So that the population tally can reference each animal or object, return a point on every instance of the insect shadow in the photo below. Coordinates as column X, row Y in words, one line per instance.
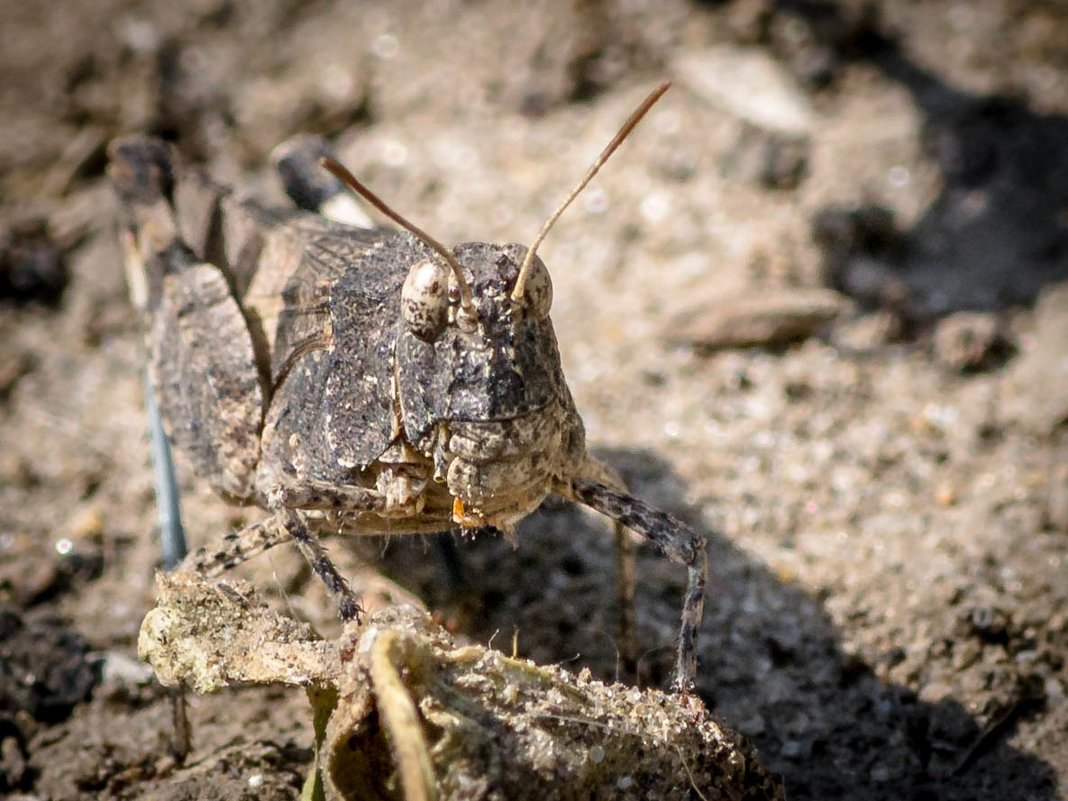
column 771, row 660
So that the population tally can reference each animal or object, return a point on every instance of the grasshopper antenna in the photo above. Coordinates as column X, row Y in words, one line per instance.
column 528, row 262
column 353, row 183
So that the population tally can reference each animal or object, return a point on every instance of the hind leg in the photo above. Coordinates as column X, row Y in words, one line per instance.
column 313, row 188
column 209, row 394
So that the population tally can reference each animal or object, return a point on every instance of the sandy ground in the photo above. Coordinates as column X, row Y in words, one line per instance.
column 886, row 495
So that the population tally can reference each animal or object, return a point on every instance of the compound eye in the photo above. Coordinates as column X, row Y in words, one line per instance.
column 538, row 292
column 425, row 299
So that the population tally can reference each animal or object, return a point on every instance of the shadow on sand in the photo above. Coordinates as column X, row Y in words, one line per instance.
column 771, row 664
column 998, row 231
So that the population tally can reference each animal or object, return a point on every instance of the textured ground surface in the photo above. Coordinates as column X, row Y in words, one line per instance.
column 887, row 499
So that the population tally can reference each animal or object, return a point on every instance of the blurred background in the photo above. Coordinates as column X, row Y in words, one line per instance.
column 816, row 305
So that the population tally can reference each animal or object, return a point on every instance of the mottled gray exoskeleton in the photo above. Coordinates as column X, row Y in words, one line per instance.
column 359, row 379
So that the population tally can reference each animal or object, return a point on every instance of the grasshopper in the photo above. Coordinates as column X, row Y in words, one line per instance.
column 362, row 380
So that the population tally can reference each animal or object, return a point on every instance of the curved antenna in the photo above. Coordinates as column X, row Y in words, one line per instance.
column 350, row 180
column 617, row 140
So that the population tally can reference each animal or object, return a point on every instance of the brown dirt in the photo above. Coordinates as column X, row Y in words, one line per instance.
column 888, row 606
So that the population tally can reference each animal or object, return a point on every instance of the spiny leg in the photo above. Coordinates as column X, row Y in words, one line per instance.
column 326, row 497
column 291, row 495
column 678, row 542
column 287, row 524
column 322, row 496
column 693, row 607
column 348, row 605
column 236, row 548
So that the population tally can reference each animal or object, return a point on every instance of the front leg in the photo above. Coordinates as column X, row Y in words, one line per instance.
column 288, row 498
column 348, row 605
column 678, row 542
column 323, row 496
column 286, row 524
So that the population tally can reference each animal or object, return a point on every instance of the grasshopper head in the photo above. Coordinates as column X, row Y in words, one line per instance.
column 495, row 359
column 477, row 370
column 481, row 389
